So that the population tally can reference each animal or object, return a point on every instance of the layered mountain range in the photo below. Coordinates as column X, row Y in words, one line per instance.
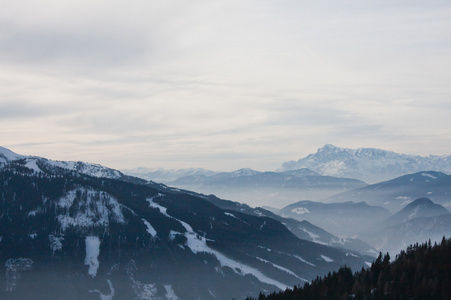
column 82, row 231
column 268, row 188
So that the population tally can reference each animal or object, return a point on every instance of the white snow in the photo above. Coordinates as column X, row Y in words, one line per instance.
column 100, row 209
column 428, row 175
column 283, row 269
column 230, row 215
column 9, row 154
column 300, row 211
column 144, row 291
column 34, row 212
column 31, row 164
column 56, row 243
column 326, row 258
column 341, row 240
column 313, row 236
column 170, row 294
column 103, row 296
column 150, row 229
column 198, row 244
column 92, row 254
column 304, row 261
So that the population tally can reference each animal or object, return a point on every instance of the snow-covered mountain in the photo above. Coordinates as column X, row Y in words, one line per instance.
column 68, row 235
column 367, row 164
column 37, row 164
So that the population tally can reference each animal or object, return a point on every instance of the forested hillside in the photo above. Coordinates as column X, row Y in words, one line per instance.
column 420, row 272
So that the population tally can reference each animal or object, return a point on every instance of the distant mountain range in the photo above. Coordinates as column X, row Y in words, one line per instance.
column 166, row 175
column 367, row 164
column 341, row 218
column 395, row 194
column 81, row 231
column 267, row 188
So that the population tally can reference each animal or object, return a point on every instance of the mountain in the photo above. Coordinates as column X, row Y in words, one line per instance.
column 302, row 229
column 419, row 208
column 397, row 193
column 340, row 218
column 367, row 164
column 68, row 235
column 164, row 175
column 419, row 221
column 35, row 164
column 267, row 188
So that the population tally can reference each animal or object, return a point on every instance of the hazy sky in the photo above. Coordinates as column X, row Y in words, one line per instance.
column 222, row 84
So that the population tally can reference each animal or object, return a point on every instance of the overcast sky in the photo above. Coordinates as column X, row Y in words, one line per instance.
column 222, row 84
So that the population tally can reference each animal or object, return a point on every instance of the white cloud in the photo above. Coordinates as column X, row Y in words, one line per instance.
column 219, row 84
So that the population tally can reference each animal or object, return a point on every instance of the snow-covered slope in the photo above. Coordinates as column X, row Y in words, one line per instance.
column 367, row 164
column 39, row 164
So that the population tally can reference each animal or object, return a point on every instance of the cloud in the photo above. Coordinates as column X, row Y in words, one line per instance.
column 219, row 83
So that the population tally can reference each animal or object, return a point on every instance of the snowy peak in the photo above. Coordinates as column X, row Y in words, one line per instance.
column 35, row 164
column 367, row 164
column 244, row 172
column 8, row 154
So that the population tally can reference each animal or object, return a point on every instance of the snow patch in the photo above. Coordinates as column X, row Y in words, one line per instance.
column 31, row 164
column 326, row 258
column 88, row 208
column 304, row 261
column 170, row 294
column 144, row 291
column 150, row 229
column 103, row 296
column 428, row 175
column 92, row 254
column 300, row 211
column 230, row 215
column 283, row 269
column 56, row 243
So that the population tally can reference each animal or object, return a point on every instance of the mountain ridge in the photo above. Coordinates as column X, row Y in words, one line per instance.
column 367, row 164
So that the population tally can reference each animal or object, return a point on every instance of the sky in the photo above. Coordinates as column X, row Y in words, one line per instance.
column 222, row 85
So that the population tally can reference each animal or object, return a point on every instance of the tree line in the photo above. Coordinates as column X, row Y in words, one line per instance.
column 422, row 271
